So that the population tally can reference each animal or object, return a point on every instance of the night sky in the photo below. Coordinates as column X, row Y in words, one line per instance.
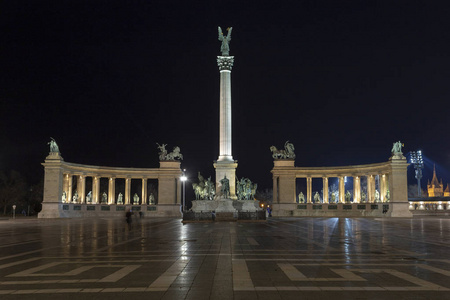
column 341, row 80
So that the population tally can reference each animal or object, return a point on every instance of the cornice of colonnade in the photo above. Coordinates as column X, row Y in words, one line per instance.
column 167, row 169
column 284, row 169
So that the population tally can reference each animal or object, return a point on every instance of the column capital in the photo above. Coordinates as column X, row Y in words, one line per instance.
column 225, row 63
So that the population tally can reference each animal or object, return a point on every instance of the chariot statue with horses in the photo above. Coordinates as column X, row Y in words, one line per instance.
column 286, row 153
column 174, row 155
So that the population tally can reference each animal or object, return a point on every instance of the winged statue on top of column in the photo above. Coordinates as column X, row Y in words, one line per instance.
column 225, row 48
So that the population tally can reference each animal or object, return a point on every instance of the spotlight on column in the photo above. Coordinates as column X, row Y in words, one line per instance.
column 417, row 161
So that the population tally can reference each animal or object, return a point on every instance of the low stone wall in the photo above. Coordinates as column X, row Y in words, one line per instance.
column 213, row 205
column 73, row 210
column 191, row 216
column 332, row 210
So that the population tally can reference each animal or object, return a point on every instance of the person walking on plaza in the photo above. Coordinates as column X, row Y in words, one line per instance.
column 128, row 218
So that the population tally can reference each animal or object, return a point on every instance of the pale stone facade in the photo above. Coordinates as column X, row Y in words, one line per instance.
column 59, row 177
column 392, row 186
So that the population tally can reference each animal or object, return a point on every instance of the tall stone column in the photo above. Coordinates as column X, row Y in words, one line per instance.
column 95, row 189
column 308, row 189
column 144, row 191
column 356, row 189
column 325, row 189
column 127, row 190
column 69, row 188
column 383, row 187
column 225, row 164
column 66, row 185
column 81, row 188
column 111, row 190
column 371, row 188
column 341, row 189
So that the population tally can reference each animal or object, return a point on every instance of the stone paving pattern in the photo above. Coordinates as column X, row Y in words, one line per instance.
column 295, row 258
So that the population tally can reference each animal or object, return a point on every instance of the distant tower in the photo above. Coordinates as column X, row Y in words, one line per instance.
column 225, row 164
column 435, row 188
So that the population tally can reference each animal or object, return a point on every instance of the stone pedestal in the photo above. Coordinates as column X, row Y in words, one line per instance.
column 203, row 205
column 169, row 186
column 228, row 169
column 284, row 182
column 249, row 205
column 53, row 186
column 225, row 205
column 398, row 187
column 225, row 210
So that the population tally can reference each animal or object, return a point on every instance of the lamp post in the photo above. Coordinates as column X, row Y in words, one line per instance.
column 417, row 160
column 14, row 211
column 183, row 178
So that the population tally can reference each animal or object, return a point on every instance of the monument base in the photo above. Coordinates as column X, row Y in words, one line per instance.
column 52, row 210
column 226, row 169
column 226, row 217
column 225, row 205
column 224, row 210
column 400, row 210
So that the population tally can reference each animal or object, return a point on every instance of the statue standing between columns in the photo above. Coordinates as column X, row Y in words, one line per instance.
column 225, row 48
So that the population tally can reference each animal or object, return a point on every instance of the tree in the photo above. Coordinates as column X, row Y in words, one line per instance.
column 12, row 189
column 265, row 195
column 36, row 197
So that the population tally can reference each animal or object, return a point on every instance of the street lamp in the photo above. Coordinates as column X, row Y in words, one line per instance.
column 183, row 178
column 14, row 211
column 417, row 160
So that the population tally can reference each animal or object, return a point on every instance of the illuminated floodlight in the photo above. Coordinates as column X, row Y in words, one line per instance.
column 417, row 161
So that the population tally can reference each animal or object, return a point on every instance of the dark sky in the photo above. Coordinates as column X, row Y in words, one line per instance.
column 341, row 80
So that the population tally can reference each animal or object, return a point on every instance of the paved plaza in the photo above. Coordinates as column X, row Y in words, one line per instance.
column 296, row 258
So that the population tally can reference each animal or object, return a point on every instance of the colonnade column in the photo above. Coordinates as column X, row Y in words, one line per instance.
column 275, row 190
column 95, row 189
column 65, row 186
column 308, row 189
column 144, row 191
column 341, row 189
column 81, row 188
column 370, row 188
column 356, row 189
column 111, row 190
column 383, row 187
column 69, row 188
column 127, row 190
column 325, row 189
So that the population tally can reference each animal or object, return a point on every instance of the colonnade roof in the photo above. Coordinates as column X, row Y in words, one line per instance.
column 121, row 172
column 352, row 170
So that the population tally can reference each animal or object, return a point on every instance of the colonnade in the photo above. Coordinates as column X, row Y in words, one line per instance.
column 356, row 192
column 60, row 178
column 392, row 174
column 96, row 196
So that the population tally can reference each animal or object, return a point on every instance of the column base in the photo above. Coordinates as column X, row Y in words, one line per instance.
column 228, row 169
column 400, row 210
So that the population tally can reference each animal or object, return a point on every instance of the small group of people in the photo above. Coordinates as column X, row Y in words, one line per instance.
column 129, row 217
